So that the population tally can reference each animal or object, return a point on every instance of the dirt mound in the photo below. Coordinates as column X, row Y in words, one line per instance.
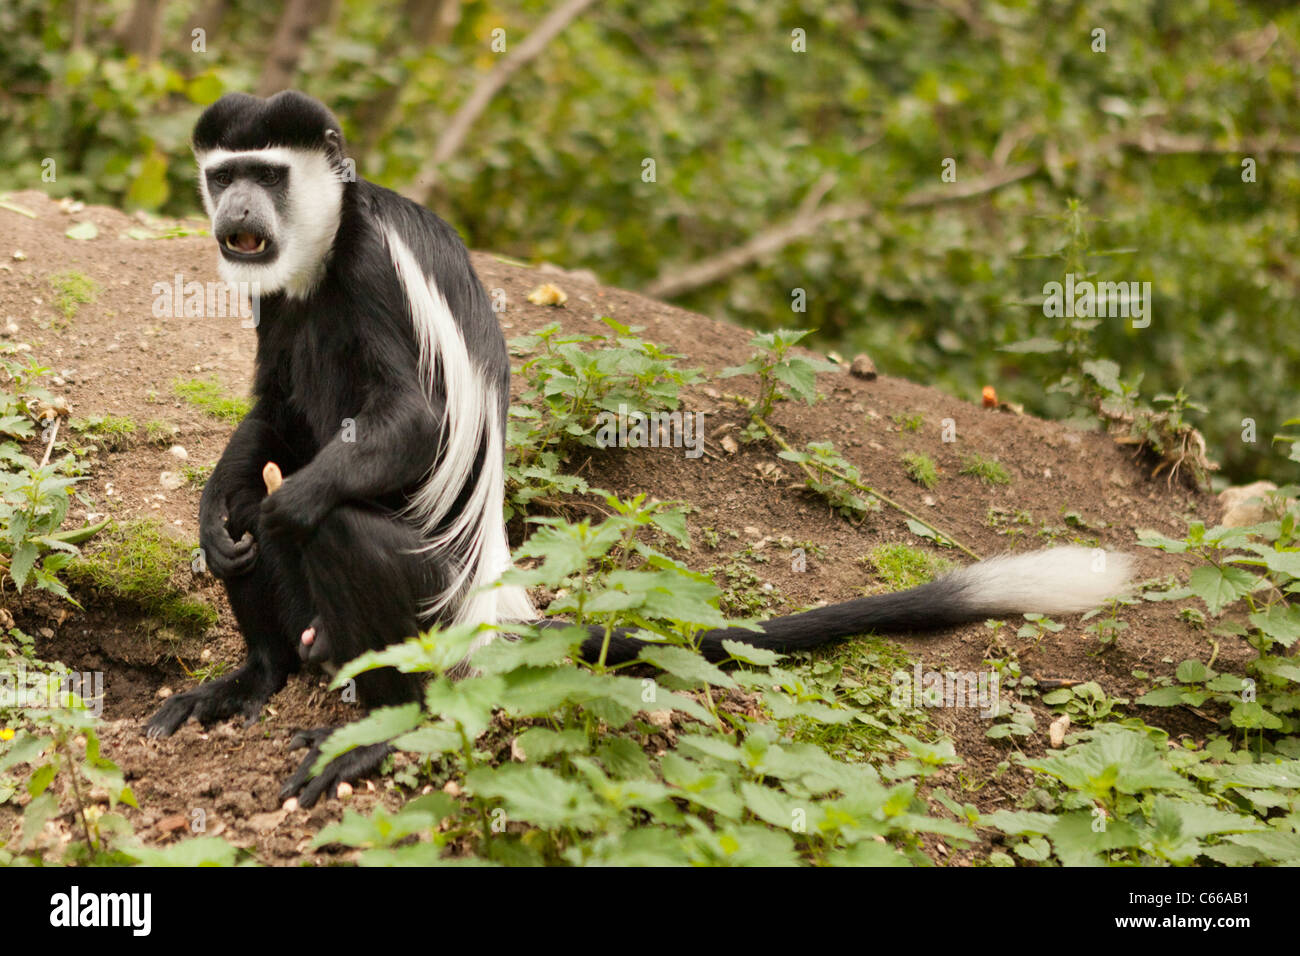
column 115, row 356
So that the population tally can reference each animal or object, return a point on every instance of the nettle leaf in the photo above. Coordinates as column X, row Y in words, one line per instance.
column 1124, row 761
column 378, row 726
column 1078, row 842
column 1104, row 372
column 469, row 702
column 1154, row 539
column 541, row 743
column 538, row 795
column 384, row 828
column 672, row 522
column 1197, row 820
column 1284, row 667
column 1284, row 562
column 785, row 707
column 779, row 809
column 1280, row 622
column 622, row 794
column 551, row 646
column 1274, row 845
column 624, row 759
column 749, row 654
column 200, row 851
column 20, row 565
column 431, row 741
column 712, row 789
column 742, row 845
column 1220, row 586
column 1192, row 672
column 709, row 746
column 685, row 664
column 1285, row 773
column 25, row 748
column 867, row 853
column 434, row 651
column 1018, row 823
column 1162, row 697
column 800, row 376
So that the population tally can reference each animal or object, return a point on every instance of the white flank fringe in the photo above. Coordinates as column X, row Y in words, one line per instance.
column 473, row 541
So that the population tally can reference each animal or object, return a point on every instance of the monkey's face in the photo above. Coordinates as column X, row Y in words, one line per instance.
column 275, row 212
column 250, row 196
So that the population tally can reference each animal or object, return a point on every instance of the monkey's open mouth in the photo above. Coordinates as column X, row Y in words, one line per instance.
column 245, row 245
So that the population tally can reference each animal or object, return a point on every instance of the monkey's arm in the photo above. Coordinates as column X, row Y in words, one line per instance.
column 232, row 493
column 390, row 447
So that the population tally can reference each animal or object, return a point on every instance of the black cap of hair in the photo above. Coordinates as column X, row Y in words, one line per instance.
column 239, row 121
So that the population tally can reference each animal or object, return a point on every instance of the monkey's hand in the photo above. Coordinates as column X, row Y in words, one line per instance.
column 295, row 509
column 225, row 557
column 356, row 763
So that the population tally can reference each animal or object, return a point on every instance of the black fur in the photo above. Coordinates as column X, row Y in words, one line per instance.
column 238, row 121
column 332, row 548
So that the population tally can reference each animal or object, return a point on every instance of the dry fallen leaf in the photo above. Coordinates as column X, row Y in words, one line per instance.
column 548, row 293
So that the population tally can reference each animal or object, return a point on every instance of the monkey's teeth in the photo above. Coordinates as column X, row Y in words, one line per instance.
column 234, row 246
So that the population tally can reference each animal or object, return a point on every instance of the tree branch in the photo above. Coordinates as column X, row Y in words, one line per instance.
column 454, row 135
column 807, row 219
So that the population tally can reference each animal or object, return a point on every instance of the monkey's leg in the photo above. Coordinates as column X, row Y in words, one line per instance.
column 272, row 606
column 366, row 576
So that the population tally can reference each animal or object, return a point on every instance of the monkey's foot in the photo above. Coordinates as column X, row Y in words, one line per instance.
column 356, row 763
column 244, row 692
column 314, row 646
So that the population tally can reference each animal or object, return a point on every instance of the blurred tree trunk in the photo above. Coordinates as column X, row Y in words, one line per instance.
column 140, row 32
column 299, row 19
column 429, row 23
column 78, row 25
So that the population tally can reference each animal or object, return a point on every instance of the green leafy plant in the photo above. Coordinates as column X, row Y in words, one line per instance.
column 988, row 470
column 1256, row 569
column 142, row 564
column 71, row 290
column 834, row 478
column 208, row 396
column 34, row 497
column 725, row 788
column 570, row 380
column 782, row 375
column 921, row 469
column 111, row 432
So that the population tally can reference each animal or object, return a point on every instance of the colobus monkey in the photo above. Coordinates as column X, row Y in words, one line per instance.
column 381, row 386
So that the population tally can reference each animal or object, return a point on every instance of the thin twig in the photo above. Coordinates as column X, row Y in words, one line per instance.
column 45, row 459
column 453, row 136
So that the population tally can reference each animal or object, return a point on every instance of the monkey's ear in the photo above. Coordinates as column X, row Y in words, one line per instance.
column 334, row 143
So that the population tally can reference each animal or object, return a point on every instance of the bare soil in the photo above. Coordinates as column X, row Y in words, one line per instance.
column 115, row 357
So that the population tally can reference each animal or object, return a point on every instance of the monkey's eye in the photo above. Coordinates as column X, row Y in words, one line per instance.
column 270, row 177
column 222, row 178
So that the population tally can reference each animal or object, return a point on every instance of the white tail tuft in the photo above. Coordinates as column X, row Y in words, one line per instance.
column 1066, row 580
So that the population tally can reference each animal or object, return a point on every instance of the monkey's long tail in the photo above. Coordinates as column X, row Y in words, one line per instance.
column 1065, row 580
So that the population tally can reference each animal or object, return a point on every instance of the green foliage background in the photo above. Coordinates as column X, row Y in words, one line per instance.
column 1150, row 135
